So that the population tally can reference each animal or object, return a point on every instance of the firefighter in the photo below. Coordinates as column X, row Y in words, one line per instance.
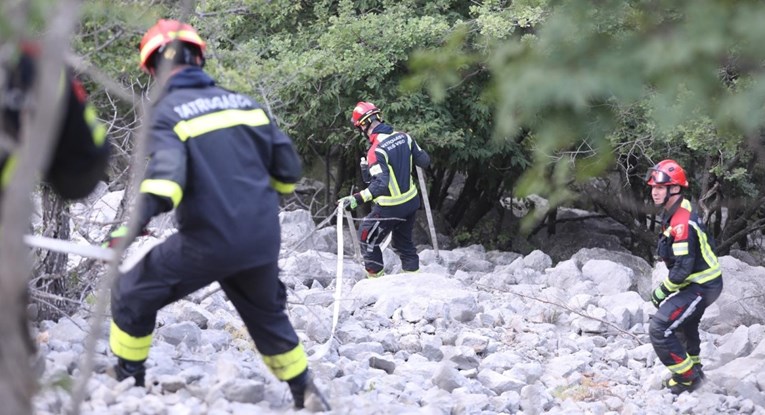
column 77, row 163
column 387, row 170
column 81, row 154
column 219, row 160
column 694, row 281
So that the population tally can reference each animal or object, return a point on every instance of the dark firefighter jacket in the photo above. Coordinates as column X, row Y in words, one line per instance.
column 686, row 249
column 81, row 154
column 218, row 159
column 391, row 159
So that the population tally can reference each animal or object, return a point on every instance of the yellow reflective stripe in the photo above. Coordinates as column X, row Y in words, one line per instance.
column 680, row 248
column 286, row 366
column 672, row 286
column 396, row 197
column 393, row 201
column 393, row 188
column 128, row 347
column 704, row 276
column 8, row 169
column 282, row 187
column 98, row 129
column 219, row 120
column 682, row 367
column 158, row 40
column 163, row 187
column 710, row 258
column 706, row 250
column 695, row 359
column 366, row 195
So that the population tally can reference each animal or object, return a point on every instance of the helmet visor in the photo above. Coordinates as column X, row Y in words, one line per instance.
column 654, row 177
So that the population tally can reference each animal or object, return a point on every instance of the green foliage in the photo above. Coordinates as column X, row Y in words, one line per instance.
column 570, row 80
column 531, row 96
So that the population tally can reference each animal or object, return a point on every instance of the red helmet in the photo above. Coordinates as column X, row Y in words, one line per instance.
column 363, row 113
column 164, row 32
column 666, row 173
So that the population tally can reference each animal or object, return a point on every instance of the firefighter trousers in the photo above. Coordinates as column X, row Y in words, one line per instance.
column 172, row 270
column 375, row 228
column 674, row 329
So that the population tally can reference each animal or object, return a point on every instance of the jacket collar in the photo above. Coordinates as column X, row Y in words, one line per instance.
column 667, row 216
column 189, row 77
column 381, row 128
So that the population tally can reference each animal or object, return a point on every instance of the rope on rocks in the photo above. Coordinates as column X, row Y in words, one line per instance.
column 323, row 349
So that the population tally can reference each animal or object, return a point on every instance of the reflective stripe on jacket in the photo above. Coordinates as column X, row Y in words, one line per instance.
column 684, row 243
column 219, row 160
column 391, row 159
column 81, row 152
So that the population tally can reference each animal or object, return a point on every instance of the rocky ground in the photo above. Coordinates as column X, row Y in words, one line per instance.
column 474, row 332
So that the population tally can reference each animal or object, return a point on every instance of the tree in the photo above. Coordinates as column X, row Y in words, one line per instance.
column 607, row 85
column 16, row 380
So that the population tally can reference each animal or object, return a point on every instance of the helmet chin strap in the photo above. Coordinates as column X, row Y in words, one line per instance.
column 366, row 131
column 667, row 196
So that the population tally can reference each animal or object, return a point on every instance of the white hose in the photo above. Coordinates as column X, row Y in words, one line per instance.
column 323, row 349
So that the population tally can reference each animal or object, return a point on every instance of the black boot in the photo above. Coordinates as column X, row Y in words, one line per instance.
column 126, row 368
column 306, row 395
column 697, row 367
column 685, row 382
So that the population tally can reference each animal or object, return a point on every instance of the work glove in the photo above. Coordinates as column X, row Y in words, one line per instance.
column 348, row 202
column 116, row 237
column 119, row 234
column 659, row 295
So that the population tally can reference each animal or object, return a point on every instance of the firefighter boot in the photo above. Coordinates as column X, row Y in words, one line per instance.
column 685, row 382
column 372, row 274
column 126, row 368
column 306, row 394
column 698, row 368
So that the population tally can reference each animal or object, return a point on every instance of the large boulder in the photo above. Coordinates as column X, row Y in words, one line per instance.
column 582, row 230
column 641, row 269
column 741, row 300
column 426, row 296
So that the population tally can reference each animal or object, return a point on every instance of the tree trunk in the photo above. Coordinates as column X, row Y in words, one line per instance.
column 552, row 220
column 436, row 178
column 327, row 177
column 469, row 193
column 482, row 205
column 17, row 383
column 341, row 178
column 443, row 190
column 643, row 241
column 55, row 225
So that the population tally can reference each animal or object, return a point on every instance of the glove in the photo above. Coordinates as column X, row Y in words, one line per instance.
column 348, row 202
column 119, row 234
column 659, row 294
column 116, row 237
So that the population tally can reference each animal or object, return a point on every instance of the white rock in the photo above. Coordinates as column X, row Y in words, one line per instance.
column 610, row 277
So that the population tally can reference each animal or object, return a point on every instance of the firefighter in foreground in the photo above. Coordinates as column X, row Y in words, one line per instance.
column 77, row 163
column 387, row 170
column 220, row 162
column 694, row 281
column 81, row 154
